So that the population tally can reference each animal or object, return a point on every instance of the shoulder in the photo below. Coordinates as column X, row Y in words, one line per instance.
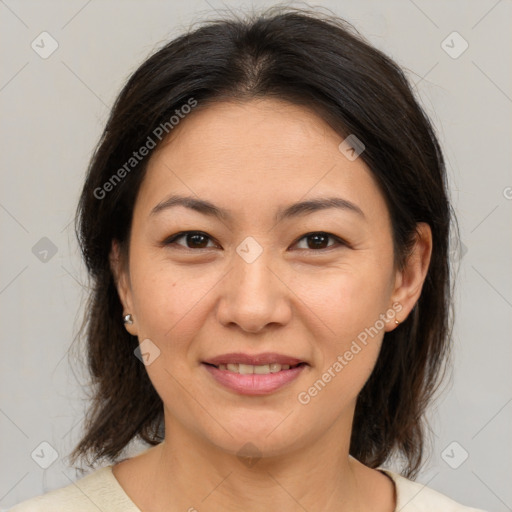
column 97, row 491
column 415, row 497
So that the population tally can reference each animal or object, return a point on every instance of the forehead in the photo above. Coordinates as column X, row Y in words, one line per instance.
column 254, row 154
column 269, row 131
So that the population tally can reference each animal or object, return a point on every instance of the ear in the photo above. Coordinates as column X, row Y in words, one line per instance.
column 119, row 268
column 409, row 280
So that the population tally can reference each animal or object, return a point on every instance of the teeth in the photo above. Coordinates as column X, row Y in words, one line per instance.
column 274, row 367
column 247, row 369
column 262, row 369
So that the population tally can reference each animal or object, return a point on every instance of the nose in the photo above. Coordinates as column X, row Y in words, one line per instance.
column 254, row 296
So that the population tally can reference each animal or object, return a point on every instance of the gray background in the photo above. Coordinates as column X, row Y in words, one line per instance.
column 52, row 113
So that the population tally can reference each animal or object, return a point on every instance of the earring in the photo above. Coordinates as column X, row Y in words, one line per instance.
column 397, row 321
column 128, row 319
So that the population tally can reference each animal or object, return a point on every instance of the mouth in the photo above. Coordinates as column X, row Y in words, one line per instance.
column 260, row 369
column 254, row 374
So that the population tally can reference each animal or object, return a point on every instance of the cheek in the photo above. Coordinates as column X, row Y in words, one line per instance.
column 170, row 307
column 346, row 300
column 171, row 303
column 349, row 304
column 348, row 352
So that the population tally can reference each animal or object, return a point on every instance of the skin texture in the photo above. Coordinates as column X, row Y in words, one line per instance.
column 253, row 158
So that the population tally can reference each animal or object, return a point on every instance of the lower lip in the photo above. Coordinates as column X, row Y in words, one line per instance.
column 254, row 384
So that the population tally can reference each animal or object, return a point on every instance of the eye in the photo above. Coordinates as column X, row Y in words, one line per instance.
column 318, row 240
column 315, row 241
column 193, row 240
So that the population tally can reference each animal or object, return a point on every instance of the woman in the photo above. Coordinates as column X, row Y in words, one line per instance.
column 266, row 225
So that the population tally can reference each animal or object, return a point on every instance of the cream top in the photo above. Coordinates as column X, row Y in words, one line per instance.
column 100, row 490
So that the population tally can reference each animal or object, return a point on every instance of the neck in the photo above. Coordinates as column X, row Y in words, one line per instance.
column 191, row 474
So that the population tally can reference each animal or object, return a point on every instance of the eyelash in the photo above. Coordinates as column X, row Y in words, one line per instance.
column 172, row 240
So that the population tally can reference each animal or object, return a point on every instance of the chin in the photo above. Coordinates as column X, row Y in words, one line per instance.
column 258, row 435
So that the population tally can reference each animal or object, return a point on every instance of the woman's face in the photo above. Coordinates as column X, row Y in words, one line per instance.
column 251, row 286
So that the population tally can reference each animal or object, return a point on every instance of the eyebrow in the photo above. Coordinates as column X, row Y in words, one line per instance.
column 293, row 210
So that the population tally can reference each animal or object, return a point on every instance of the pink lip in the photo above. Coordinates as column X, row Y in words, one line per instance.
column 254, row 384
column 256, row 359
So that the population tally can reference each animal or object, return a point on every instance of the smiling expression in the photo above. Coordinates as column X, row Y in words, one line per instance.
column 290, row 258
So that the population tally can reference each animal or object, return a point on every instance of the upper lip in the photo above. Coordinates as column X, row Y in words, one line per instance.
column 256, row 359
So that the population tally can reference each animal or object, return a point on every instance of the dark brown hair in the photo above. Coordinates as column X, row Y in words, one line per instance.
column 320, row 62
